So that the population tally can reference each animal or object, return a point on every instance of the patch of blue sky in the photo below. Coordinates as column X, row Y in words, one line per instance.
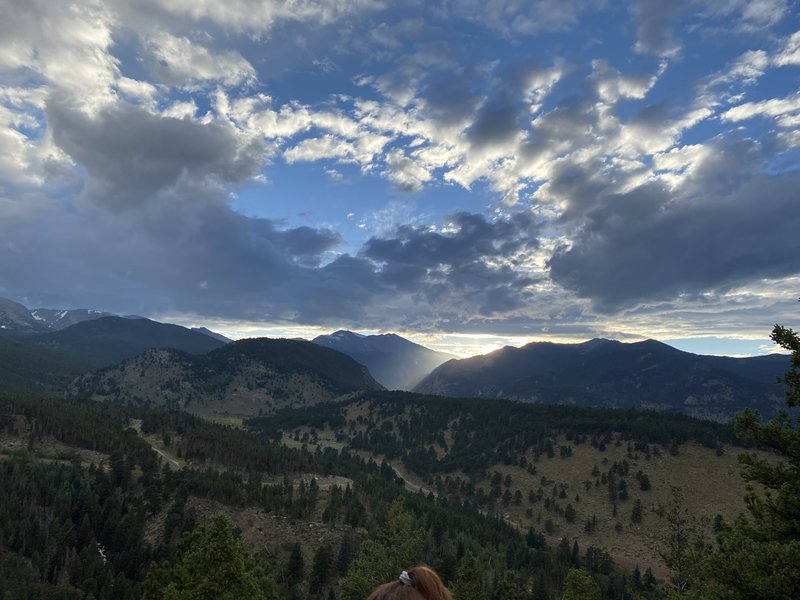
column 724, row 346
column 353, row 204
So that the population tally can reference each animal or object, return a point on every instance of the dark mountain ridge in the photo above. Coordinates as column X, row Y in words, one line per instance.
column 245, row 377
column 647, row 374
column 395, row 362
column 109, row 340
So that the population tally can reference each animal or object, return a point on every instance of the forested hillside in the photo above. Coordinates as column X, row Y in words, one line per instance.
column 612, row 374
column 598, row 477
column 89, row 510
column 27, row 369
column 506, row 500
column 242, row 378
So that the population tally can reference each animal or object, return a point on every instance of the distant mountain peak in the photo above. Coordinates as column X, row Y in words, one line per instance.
column 16, row 318
column 394, row 361
column 213, row 334
column 345, row 333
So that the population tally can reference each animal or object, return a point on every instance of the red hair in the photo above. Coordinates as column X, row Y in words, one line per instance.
column 426, row 585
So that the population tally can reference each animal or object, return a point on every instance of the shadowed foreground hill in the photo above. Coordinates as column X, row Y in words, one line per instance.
column 109, row 340
column 26, row 369
column 607, row 373
column 241, row 378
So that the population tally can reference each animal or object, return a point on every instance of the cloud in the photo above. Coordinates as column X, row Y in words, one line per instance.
column 127, row 128
column 790, row 53
column 470, row 262
column 725, row 227
column 613, row 85
column 495, row 125
column 757, row 14
column 131, row 155
column 256, row 15
column 307, row 244
column 405, row 173
column 775, row 107
column 654, row 21
column 66, row 45
column 182, row 63
column 522, row 17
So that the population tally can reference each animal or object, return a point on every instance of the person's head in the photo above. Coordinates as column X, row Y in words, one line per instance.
column 418, row 583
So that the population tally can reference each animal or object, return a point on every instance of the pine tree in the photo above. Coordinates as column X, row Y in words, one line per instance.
column 468, row 583
column 322, row 567
column 759, row 556
column 636, row 512
column 379, row 561
column 684, row 546
column 570, row 514
column 510, row 588
column 347, row 552
column 213, row 566
column 636, row 578
column 295, row 569
column 579, row 585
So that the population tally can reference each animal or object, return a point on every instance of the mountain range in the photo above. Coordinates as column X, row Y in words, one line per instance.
column 148, row 358
column 109, row 340
column 16, row 318
column 395, row 362
column 648, row 374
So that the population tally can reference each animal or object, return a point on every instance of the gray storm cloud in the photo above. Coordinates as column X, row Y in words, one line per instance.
column 646, row 245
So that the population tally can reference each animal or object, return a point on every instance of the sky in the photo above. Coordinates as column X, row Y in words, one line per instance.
column 468, row 174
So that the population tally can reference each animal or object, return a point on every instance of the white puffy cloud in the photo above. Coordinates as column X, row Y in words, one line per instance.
column 66, row 45
column 406, row 173
column 775, row 107
column 261, row 15
column 613, row 85
column 790, row 53
column 183, row 63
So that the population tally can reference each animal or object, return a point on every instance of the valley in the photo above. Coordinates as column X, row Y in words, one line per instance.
column 313, row 462
column 563, row 487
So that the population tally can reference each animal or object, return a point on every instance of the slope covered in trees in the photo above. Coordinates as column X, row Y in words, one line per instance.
column 599, row 477
column 241, row 378
column 88, row 509
column 606, row 373
column 27, row 369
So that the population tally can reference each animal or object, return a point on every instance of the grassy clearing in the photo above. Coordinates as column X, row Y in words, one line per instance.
column 711, row 485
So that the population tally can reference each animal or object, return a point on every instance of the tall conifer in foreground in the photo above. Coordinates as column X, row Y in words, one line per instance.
column 380, row 561
column 759, row 556
column 213, row 566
